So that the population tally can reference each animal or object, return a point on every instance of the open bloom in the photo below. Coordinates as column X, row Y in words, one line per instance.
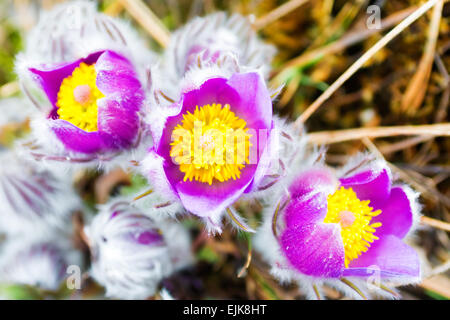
column 132, row 253
column 212, row 122
column 215, row 147
column 93, row 90
column 95, row 102
column 349, row 225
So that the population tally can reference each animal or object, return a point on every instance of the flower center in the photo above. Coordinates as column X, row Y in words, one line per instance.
column 77, row 98
column 354, row 216
column 211, row 143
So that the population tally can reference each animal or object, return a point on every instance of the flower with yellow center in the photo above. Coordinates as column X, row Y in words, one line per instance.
column 77, row 98
column 211, row 143
column 354, row 216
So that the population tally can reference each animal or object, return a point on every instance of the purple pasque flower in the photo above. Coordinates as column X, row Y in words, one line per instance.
column 194, row 162
column 131, row 252
column 95, row 102
column 346, row 225
column 89, row 68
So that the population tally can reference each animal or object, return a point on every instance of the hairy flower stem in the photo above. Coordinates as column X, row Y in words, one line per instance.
column 354, row 287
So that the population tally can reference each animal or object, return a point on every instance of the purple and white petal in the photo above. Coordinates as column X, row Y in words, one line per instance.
column 390, row 257
column 373, row 183
column 311, row 208
column 396, row 215
column 118, row 123
column 315, row 180
column 314, row 249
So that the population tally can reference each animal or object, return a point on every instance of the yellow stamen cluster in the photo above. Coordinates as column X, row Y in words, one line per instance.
column 359, row 233
column 81, row 111
column 211, row 143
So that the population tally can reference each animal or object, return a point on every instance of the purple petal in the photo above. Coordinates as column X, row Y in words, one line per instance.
column 215, row 90
column 373, row 184
column 119, row 120
column 76, row 139
column 264, row 156
column 396, row 215
column 255, row 105
column 307, row 209
column 149, row 238
column 314, row 180
column 116, row 76
column 315, row 249
column 390, row 257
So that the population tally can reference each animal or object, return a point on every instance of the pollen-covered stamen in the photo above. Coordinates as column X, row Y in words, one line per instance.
column 354, row 216
column 346, row 218
column 77, row 98
column 82, row 94
column 211, row 143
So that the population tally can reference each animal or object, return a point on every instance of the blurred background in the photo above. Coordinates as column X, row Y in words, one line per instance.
column 405, row 83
